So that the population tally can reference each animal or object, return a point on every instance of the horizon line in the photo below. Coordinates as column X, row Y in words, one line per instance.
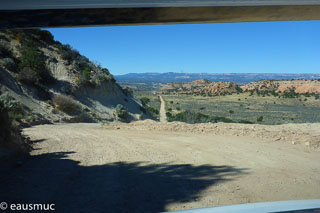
column 216, row 73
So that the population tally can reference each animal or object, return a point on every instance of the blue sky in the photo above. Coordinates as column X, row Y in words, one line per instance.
column 265, row 47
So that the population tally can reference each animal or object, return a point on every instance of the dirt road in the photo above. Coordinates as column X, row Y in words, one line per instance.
column 163, row 116
column 87, row 167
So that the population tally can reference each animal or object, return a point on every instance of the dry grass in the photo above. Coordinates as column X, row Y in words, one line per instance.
column 65, row 104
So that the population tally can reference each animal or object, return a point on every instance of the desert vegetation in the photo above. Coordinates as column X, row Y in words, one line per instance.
column 244, row 108
column 149, row 100
column 195, row 117
column 122, row 113
column 33, row 68
column 10, row 116
column 65, row 104
column 145, row 101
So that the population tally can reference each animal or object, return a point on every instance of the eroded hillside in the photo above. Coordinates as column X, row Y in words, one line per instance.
column 207, row 88
column 52, row 82
column 298, row 86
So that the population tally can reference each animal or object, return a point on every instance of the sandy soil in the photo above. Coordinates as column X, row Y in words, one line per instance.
column 135, row 168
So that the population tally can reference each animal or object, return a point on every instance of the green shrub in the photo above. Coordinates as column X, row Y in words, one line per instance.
column 65, row 104
column 290, row 94
column 122, row 112
column 32, row 59
column 12, row 107
column 152, row 111
column 147, row 108
column 307, row 95
column 10, row 103
column 144, row 101
column 195, row 117
column 231, row 111
column 90, row 76
column 260, row 119
column 84, row 77
column 86, row 73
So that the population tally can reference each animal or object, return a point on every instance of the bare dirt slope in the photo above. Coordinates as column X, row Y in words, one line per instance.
column 135, row 168
column 96, row 96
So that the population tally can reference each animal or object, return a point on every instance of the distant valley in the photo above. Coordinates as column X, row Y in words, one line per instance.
column 238, row 78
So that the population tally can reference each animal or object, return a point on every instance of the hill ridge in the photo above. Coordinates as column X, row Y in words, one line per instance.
column 44, row 76
column 206, row 87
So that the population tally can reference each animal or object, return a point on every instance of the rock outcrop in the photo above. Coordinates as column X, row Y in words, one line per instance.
column 185, row 86
column 201, row 87
column 208, row 88
column 299, row 86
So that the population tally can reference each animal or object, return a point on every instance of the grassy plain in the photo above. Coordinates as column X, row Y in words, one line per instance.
column 237, row 107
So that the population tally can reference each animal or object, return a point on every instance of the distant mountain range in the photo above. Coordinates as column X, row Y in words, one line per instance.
column 239, row 78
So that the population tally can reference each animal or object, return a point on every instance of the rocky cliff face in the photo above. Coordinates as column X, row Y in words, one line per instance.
column 185, row 86
column 208, row 88
column 40, row 73
column 299, row 86
column 203, row 87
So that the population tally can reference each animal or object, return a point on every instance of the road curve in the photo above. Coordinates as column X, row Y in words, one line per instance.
column 163, row 116
column 90, row 168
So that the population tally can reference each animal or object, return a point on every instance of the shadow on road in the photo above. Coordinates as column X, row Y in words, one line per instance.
column 114, row 187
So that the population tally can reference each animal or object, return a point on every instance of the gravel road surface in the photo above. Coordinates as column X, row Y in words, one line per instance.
column 89, row 167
